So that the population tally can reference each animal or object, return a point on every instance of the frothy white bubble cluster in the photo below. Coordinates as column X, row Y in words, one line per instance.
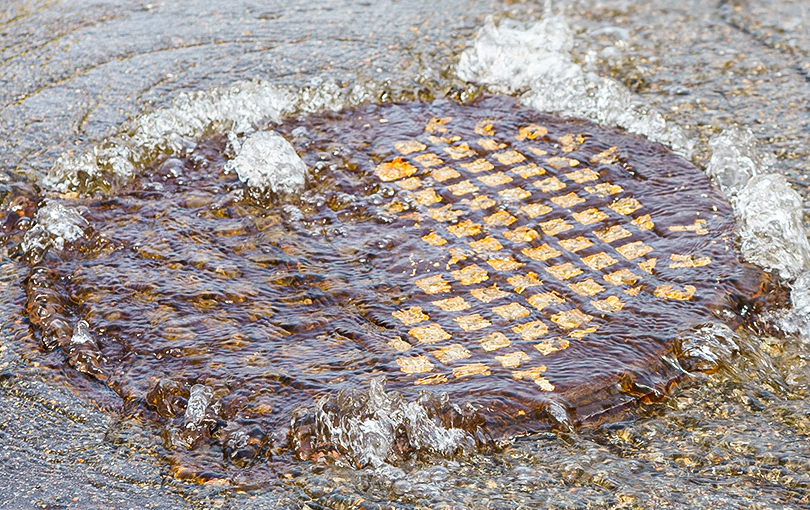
column 173, row 130
column 55, row 226
column 536, row 61
column 265, row 160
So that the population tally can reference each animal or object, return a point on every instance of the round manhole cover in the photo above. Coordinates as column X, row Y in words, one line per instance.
column 505, row 257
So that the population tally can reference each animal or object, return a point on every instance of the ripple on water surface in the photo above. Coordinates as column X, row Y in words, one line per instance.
column 538, row 271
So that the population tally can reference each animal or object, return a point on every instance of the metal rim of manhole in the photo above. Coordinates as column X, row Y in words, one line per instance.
column 509, row 258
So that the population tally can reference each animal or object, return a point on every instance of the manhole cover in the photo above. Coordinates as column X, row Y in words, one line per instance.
column 484, row 250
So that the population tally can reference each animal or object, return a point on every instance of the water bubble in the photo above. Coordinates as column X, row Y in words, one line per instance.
column 769, row 220
column 708, row 347
column 537, row 60
column 267, row 161
column 734, row 160
column 55, row 227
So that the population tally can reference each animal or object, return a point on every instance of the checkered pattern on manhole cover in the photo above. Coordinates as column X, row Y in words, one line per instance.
column 484, row 250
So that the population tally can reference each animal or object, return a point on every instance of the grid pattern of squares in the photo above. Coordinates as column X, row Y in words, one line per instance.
column 527, row 211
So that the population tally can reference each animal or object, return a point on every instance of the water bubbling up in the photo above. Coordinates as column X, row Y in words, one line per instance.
column 519, row 236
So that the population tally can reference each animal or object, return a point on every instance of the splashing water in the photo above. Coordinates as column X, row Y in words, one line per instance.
column 536, row 60
column 267, row 161
column 272, row 306
column 552, row 82
column 374, row 427
column 708, row 347
column 769, row 220
column 768, row 211
column 172, row 130
column 55, row 226
column 735, row 160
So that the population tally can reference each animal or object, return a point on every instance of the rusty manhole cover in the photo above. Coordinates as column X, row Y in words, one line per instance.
column 484, row 250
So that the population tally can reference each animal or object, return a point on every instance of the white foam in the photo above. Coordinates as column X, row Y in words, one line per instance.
column 510, row 58
column 173, row 130
column 237, row 108
column 769, row 221
column 368, row 425
column 82, row 335
column 328, row 94
column 67, row 172
column 54, row 226
column 321, row 94
column 536, row 60
column 267, row 161
column 199, row 400
column 796, row 319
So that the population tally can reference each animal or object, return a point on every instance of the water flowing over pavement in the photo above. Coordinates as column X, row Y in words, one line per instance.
column 95, row 92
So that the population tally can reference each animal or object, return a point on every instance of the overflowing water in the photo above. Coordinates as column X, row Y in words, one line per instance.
column 769, row 220
column 536, row 61
column 728, row 431
column 268, row 162
column 171, row 130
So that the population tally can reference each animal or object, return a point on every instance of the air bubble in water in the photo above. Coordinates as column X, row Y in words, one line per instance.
column 734, row 160
column 267, row 161
column 769, row 220
column 537, row 59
